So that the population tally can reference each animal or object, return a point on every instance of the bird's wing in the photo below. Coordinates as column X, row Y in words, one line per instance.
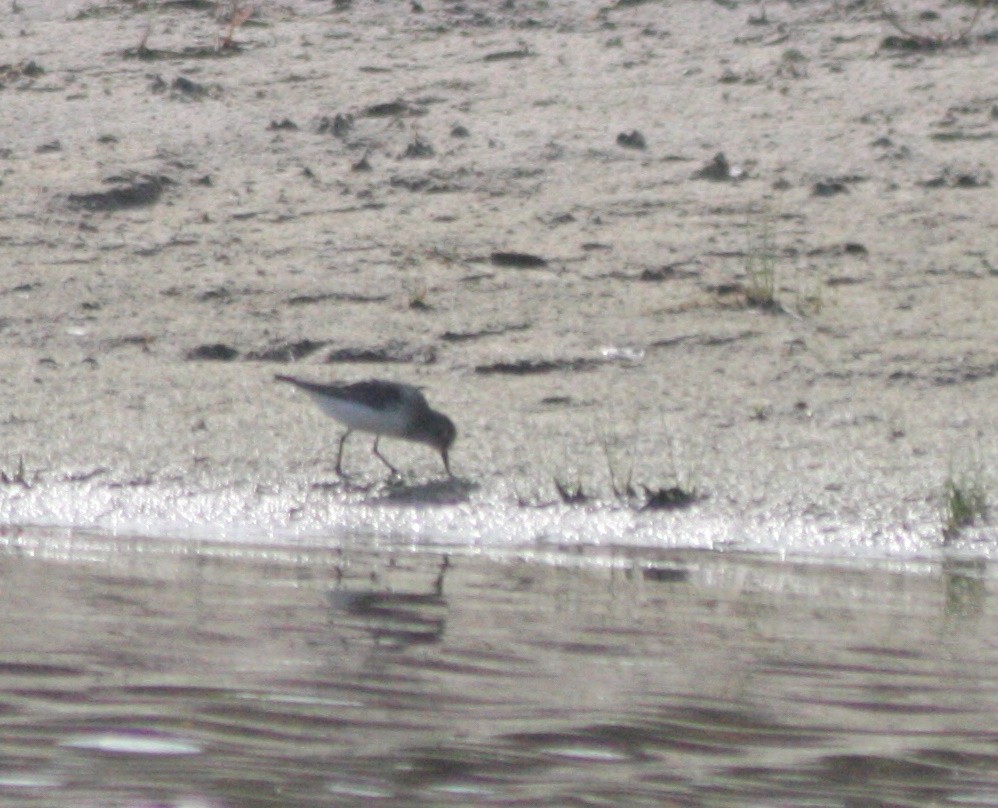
column 375, row 393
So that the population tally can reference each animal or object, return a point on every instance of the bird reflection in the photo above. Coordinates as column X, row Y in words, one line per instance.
column 396, row 619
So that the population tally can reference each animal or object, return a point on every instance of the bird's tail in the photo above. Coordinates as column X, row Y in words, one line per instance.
column 302, row 384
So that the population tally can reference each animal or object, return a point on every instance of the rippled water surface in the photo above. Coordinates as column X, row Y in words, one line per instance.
column 140, row 672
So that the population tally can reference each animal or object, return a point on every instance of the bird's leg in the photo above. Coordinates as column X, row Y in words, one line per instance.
column 339, row 454
column 381, row 457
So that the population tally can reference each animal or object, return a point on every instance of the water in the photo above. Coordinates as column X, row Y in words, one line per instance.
column 141, row 672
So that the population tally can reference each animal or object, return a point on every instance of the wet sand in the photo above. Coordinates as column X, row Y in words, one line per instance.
column 518, row 208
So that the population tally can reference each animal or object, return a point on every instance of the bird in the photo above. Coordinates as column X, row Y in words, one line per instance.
column 382, row 408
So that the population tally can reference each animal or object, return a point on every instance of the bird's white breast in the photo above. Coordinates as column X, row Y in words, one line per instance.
column 390, row 421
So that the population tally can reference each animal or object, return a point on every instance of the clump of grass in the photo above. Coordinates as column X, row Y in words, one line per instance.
column 965, row 502
column 418, row 293
column 571, row 493
column 793, row 64
column 622, row 485
column 16, row 477
column 931, row 41
column 760, row 268
column 670, row 499
column 810, row 302
column 682, row 493
column 761, row 275
column 232, row 14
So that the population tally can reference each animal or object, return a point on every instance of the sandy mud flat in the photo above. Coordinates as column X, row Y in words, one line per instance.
column 747, row 250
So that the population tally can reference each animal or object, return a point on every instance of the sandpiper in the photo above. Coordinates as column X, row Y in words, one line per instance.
column 381, row 408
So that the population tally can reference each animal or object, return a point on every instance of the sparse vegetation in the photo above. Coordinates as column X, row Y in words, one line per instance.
column 681, row 493
column 793, row 64
column 622, row 486
column 141, row 50
column 571, row 493
column 811, row 301
column 232, row 13
column 761, row 276
column 418, row 293
column 965, row 501
column 760, row 268
column 929, row 41
column 678, row 492
column 671, row 498
column 17, row 477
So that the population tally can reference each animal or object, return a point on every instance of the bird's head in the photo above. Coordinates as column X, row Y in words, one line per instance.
column 440, row 432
